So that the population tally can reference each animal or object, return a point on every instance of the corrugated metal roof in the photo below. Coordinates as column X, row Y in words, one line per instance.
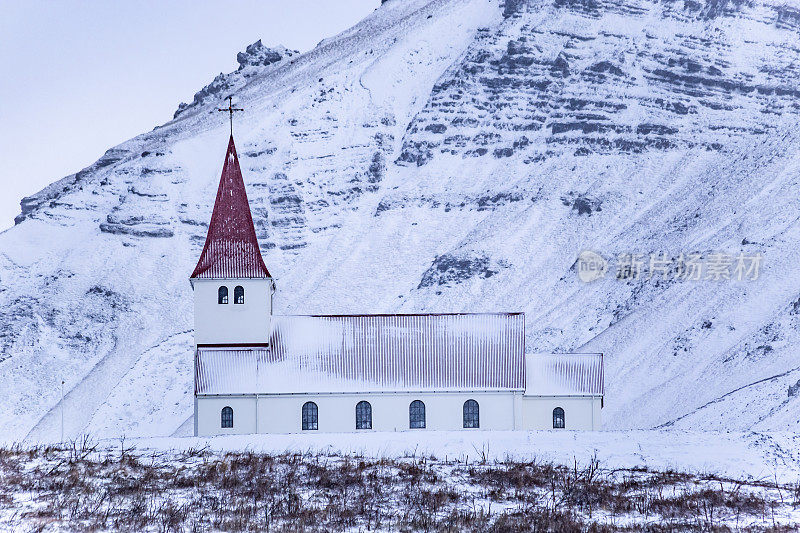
column 231, row 247
column 228, row 371
column 564, row 374
column 359, row 353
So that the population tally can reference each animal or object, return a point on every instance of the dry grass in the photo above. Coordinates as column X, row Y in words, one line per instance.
column 82, row 487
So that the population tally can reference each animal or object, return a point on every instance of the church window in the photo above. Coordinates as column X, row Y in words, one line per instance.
column 416, row 415
column 227, row 417
column 310, row 416
column 238, row 295
column 363, row 415
column 222, row 295
column 471, row 414
column 558, row 418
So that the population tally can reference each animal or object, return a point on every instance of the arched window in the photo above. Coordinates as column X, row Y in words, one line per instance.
column 222, row 295
column 227, row 417
column 310, row 416
column 363, row 415
column 472, row 418
column 558, row 418
column 238, row 295
column 416, row 415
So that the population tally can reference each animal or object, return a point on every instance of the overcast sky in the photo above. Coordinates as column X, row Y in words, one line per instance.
column 77, row 77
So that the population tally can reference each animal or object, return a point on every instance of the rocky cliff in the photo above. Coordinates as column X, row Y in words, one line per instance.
column 449, row 155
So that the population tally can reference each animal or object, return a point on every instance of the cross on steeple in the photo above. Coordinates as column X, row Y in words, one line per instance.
column 230, row 109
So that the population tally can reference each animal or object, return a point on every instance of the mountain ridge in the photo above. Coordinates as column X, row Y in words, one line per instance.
column 448, row 156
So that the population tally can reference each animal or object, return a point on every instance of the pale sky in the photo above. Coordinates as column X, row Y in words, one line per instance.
column 78, row 77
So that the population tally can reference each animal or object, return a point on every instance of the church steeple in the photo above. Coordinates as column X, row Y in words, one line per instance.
column 232, row 287
column 231, row 248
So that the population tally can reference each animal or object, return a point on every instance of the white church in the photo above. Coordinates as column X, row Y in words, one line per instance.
column 255, row 372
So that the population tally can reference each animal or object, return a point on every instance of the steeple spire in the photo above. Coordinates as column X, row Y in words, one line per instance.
column 230, row 109
column 231, row 248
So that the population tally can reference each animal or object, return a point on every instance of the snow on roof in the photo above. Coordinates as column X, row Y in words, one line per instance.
column 360, row 353
column 231, row 248
column 564, row 374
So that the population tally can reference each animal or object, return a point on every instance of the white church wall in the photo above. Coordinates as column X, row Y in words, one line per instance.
column 232, row 323
column 580, row 412
column 390, row 411
column 209, row 415
column 282, row 413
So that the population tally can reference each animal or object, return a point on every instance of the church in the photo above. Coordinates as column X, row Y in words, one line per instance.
column 256, row 372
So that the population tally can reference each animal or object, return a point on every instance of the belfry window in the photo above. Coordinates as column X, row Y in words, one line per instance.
column 310, row 416
column 363, row 415
column 222, row 295
column 227, row 417
column 471, row 414
column 558, row 418
column 416, row 415
column 238, row 295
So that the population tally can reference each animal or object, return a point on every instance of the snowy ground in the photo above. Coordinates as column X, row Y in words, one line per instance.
column 736, row 454
column 427, row 481
column 752, row 455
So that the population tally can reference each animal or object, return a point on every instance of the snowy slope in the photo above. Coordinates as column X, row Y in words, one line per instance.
column 766, row 456
column 448, row 155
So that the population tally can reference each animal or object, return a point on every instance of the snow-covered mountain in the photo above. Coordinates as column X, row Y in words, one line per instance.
column 447, row 155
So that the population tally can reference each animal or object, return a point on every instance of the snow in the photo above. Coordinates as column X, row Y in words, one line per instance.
column 693, row 480
column 554, row 374
column 751, row 455
column 126, row 411
column 372, row 353
column 356, row 199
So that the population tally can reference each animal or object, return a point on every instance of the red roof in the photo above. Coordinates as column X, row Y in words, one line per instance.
column 562, row 374
column 231, row 248
column 361, row 353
